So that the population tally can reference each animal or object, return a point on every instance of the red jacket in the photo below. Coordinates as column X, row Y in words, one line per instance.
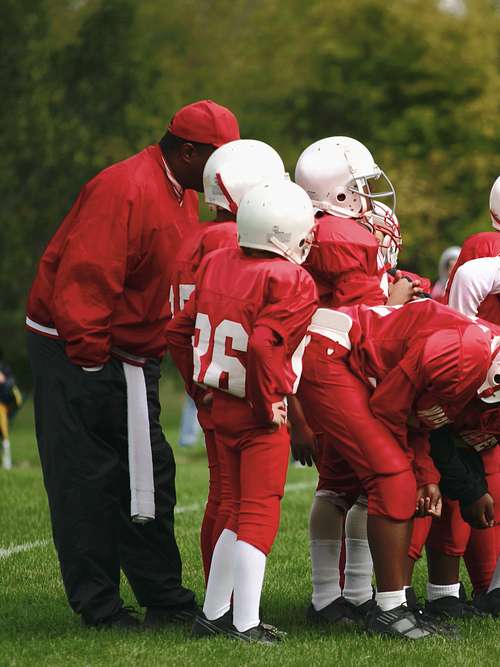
column 103, row 279
column 343, row 263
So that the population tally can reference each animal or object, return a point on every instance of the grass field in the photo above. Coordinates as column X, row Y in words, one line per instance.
column 38, row 628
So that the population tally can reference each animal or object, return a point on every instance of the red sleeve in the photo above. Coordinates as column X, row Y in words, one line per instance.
column 393, row 398
column 290, row 304
column 91, row 273
column 179, row 335
column 276, row 338
column 265, row 363
column 423, row 465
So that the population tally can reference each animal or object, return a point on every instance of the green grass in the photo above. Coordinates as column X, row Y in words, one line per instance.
column 38, row 628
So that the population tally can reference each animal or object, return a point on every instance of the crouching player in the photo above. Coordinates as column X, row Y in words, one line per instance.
column 363, row 371
column 248, row 318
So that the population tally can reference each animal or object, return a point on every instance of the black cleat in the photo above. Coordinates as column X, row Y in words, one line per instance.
column 361, row 611
column 260, row 634
column 203, row 627
column 156, row 617
column 438, row 627
column 399, row 622
column 488, row 603
column 452, row 607
column 338, row 612
column 124, row 619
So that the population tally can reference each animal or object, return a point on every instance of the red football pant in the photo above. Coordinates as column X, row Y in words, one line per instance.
column 420, row 532
column 336, row 405
column 216, row 510
column 256, row 463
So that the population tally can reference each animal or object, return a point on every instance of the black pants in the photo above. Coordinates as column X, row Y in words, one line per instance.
column 81, row 427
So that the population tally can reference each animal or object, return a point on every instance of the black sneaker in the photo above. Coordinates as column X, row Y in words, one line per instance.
column 203, row 627
column 361, row 611
column 452, row 607
column 488, row 603
column 124, row 619
column 156, row 617
column 399, row 622
column 338, row 612
column 260, row 634
column 439, row 627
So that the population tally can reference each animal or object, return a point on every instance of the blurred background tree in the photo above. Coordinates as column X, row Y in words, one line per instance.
column 88, row 82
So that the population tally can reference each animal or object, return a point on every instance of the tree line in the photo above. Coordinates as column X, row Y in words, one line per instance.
column 88, row 82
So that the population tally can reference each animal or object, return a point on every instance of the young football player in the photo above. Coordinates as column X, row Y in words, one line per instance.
column 465, row 447
column 472, row 289
column 249, row 314
column 337, row 173
column 363, row 370
column 231, row 170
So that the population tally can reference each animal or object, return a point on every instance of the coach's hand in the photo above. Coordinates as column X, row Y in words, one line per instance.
column 429, row 502
column 303, row 444
column 480, row 513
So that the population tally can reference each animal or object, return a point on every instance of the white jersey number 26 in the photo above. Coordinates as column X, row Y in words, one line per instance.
column 220, row 365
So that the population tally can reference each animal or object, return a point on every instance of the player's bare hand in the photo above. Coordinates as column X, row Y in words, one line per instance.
column 480, row 513
column 429, row 502
column 279, row 414
column 303, row 444
column 2, row 378
column 403, row 290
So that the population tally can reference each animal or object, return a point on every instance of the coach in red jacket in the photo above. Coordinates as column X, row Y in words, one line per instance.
column 96, row 316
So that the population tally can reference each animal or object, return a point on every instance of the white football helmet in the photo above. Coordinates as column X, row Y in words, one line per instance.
column 236, row 167
column 385, row 221
column 277, row 216
column 335, row 172
column 495, row 204
column 489, row 391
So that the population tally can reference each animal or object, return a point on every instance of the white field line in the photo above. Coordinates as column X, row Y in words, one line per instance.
column 13, row 549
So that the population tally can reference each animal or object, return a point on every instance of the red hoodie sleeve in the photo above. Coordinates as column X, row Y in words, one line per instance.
column 92, row 270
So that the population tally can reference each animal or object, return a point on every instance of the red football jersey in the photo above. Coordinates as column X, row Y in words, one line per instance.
column 208, row 236
column 405, row 351
column 343, row 263
column 249, row 318
column 103, row 280
column 484, row 244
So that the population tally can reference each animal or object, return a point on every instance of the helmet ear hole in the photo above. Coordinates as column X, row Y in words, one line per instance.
column 496, row 378
column 341, row 196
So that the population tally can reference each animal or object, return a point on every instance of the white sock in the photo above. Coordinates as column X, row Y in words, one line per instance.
column 495, row 579
column 6, row 459
column 358, row 571
column 388, row 600
column 325, row 556
column 434, row 592
column 221, row 577
column 248, row 579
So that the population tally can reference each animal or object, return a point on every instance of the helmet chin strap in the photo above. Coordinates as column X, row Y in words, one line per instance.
column 233, row 206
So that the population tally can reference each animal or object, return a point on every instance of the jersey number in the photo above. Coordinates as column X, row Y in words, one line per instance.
column 184, row 294
column 223, row 371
